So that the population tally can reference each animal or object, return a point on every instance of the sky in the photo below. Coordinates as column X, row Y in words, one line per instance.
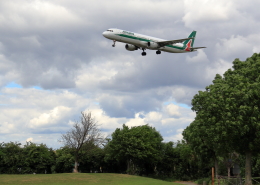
column 55, row 63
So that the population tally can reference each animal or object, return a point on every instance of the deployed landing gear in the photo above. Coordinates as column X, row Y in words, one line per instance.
column 158, row 52
column 114, row 43
column 143, row 53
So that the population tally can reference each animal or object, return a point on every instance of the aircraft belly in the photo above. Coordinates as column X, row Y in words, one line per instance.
column 173, row 50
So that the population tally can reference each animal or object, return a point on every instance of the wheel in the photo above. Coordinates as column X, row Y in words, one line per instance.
column 113, row 45
column 158, row 52
column 143, row 53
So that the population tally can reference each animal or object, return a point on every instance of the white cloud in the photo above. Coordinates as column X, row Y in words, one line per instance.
column 218, row 68
column 177, row 137
column 30, row 139
column 200, row 57
column 36, row 15
column 6, row 127
column 173, row 110
column 233, row 46
column 137, row 121
column 207, row 11
column 153, row 116
column 51, row 118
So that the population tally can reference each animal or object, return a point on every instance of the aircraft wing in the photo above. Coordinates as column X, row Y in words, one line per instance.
column 168, row 42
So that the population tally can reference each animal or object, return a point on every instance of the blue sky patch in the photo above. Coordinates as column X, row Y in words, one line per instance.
column 179, row 104
column 13, row 85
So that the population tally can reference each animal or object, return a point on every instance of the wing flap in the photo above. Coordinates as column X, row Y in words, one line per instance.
column 168, row 42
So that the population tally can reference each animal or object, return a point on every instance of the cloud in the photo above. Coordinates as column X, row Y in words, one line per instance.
column 200, row 57
column 30, row 139
column 6, row 127
column 177, row 137
column 173, row 110
column 207, row 11
column 35, row 15
column 50, row 118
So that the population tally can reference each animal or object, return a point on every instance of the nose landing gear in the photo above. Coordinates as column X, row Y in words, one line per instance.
column 114, row 44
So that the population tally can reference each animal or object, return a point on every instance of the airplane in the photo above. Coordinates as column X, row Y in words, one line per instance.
column 135, row 41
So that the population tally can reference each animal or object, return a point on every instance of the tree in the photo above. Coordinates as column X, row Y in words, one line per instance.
column 11, row 158
column 64, row 160
column 38, row 158
column 139, row 147
column 200, row 140
column 168, row 162
column 92, row 161
column 85, row 132
column 229, row 111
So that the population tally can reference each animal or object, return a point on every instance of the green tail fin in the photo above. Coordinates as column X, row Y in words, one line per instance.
column 193, row 34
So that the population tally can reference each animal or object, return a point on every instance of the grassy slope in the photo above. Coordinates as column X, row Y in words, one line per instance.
column 81, row 178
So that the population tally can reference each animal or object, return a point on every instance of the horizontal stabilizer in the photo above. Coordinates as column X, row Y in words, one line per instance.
column 197, row 47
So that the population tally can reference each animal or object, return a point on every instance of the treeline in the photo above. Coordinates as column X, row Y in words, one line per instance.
column 135, row 156
column 137, row 150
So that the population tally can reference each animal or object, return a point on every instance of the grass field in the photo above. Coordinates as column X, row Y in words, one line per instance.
column 81, row 178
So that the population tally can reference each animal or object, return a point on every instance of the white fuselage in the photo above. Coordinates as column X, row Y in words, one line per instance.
column 140, row 40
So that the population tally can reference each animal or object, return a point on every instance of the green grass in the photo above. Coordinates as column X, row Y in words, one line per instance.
column 81, row 178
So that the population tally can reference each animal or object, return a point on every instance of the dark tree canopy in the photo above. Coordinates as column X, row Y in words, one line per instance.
column 136, row 146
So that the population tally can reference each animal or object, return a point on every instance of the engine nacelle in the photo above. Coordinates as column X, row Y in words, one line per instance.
column 130, row 47
column 152, row 45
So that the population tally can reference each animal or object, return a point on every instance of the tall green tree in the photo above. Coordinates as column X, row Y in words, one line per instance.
column 139, row 147
column 11, row 158
column 64, row 160
column 202, row 143
column 229, row 111
column 38, row 158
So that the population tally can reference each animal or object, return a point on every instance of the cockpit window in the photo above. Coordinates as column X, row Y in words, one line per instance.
column 110, row 30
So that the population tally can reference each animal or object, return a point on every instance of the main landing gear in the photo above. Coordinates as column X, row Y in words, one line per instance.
column 114, row 44
column 143, row 53
column 158, row 52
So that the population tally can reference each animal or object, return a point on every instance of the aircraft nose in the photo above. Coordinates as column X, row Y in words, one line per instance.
column 105, row 34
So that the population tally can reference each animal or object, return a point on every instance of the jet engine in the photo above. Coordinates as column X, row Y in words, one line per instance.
column 152, row 45
column 130, row 47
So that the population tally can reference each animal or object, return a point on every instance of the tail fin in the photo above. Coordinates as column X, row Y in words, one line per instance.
column 187, row 44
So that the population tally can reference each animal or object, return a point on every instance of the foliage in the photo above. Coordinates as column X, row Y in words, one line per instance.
column 38, row 158
column 139, row 147
column 227, row 112
column 64, row 160
column 92, row 160
column 11, row 157
column 30, row 158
